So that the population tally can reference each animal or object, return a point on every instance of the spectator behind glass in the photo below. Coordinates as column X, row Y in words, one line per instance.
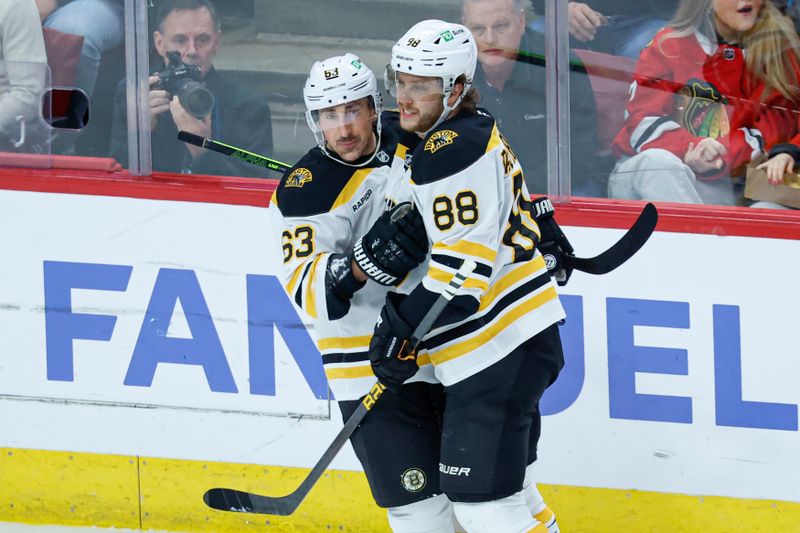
column 618, row 27
column 511, row 80
column 791, row 9
column 699, row 111
column 22, row 68
column 238, row 116
column 100, row 22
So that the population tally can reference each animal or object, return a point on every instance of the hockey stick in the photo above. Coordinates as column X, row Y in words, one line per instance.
column 622, row 250
column 246, row 502
column 237, row 153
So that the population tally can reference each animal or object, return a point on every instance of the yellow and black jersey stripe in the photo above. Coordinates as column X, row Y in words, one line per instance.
column 322, row 207
column 467, row 183
column 452, row 147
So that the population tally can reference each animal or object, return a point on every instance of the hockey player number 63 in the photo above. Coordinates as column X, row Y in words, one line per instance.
column 301, row 244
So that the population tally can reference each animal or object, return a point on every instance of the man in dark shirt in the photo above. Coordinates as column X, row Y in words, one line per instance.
column 511, row 80
column 238, row 116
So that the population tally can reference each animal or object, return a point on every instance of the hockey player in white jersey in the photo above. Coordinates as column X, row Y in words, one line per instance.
column 496, row 347
column 335, row 210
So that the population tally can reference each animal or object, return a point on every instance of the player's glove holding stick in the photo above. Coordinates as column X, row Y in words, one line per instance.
column 393, row 360
column 553, row 244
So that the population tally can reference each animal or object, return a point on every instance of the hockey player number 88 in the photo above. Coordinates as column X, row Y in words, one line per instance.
column 466, row 210
column 520, row 234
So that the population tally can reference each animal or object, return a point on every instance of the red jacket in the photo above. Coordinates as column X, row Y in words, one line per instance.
column 687, row 88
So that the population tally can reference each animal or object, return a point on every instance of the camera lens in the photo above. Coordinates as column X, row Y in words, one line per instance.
column 195, row 98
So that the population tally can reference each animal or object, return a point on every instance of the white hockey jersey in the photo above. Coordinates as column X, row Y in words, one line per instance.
column 468, row 185
column 323, row 207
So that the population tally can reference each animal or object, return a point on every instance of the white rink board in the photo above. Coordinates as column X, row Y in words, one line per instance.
column 689, row 435
column 201, row 252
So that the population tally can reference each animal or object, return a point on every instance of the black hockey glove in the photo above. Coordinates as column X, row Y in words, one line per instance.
column 554, row 244
column 393, row 246
column 388, row 349
column 340, row 285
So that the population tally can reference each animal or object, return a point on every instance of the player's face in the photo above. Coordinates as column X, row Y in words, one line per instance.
column 497, row 26
column 420, row 101
column 192, row 33
column 348, row 129
column 736, row 16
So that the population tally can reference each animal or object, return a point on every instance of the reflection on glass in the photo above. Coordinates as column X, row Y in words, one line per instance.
column 66, row 108
column 616, row 27
column 187, row 93
column 23, row 77
column 84, row 40
column 511, row 79
column 605, row 38
column 22, row 127
column 715, row 90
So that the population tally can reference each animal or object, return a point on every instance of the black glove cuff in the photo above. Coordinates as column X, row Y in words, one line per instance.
column 542, row 209
column 340, row 285
column 341, row 278
column 370, row 267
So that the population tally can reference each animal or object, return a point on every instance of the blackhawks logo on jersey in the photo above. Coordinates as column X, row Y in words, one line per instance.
column 298, row 177
column 440, row 139
column 701, row 109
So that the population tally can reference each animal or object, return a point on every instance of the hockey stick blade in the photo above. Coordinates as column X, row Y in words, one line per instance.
column 623, row 249
column 232, row 151
column 238, row 501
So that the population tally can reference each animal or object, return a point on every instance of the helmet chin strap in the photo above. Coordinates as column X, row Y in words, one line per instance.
column 446, row 109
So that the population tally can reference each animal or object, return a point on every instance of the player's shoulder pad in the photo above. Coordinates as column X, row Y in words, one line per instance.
column 392, row 134
column 453, row 146
column 312, row 185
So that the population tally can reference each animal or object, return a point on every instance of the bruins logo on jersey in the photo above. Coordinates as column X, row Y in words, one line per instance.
column 299, row 177
column 440, row 139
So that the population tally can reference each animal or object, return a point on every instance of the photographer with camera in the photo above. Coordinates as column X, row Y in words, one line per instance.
column 187, row 93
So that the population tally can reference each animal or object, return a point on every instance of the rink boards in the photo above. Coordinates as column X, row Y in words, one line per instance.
column 150, row 354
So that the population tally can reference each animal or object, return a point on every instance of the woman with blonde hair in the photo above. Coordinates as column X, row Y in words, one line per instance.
column 714, row 90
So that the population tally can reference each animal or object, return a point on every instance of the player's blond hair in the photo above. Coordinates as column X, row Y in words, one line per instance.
column 772, row 44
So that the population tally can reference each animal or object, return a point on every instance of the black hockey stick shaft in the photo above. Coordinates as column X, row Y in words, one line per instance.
column 245, row 502
column 623, row 249
column 234, row 152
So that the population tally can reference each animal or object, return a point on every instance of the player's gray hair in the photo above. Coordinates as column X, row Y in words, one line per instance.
column 177, row 5
column 521, row 5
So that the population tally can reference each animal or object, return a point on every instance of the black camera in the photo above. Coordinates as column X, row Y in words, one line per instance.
column 183, row 81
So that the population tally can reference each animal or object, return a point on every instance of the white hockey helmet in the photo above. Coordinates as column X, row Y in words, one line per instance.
column 335, row 81
column 436, row 49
